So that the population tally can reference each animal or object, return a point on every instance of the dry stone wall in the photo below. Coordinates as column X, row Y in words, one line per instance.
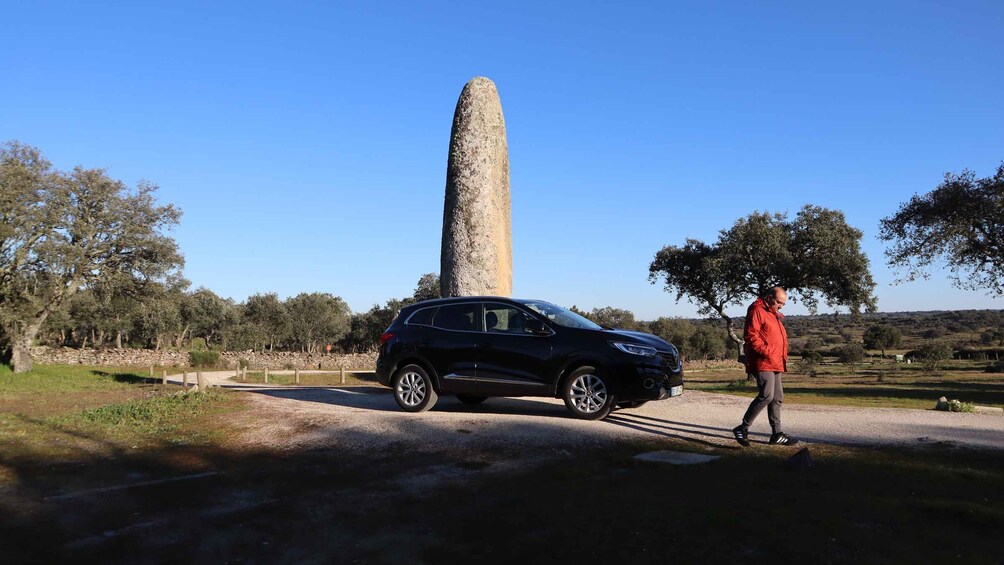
column 229, row 359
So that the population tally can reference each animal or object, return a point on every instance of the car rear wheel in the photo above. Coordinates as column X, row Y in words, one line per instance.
column 413, row 389
column 471, row 399
column 587, row 394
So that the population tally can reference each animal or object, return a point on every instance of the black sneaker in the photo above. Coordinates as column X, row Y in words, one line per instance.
column 780, row 438
column 741, row 436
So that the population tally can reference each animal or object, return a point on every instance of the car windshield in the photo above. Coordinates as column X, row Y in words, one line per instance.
column 561, row 316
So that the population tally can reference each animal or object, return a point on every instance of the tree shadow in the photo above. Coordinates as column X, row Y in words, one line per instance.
column 126, row 377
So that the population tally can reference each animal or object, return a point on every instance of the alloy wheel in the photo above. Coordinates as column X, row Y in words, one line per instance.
column 588, row 393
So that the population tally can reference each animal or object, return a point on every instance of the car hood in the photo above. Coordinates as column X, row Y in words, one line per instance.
column 644, row 338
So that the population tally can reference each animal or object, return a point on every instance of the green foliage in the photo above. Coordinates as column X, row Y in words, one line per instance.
column 66, row 231
column 810, row 358
column 206, row 359
column 851, row 353
column 932, row 354
column 706, row 343
column 816, row 255
column 676, row 331
column 960, row 223
column 611, row 317
column 427, row 287
column 317, row 319
column 739, row 384
column 959, row 406
column 882, row 336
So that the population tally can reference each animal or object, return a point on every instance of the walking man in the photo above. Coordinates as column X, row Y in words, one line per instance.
column 766, row 350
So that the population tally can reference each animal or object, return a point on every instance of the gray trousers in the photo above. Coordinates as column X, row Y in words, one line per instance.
column 771, row 396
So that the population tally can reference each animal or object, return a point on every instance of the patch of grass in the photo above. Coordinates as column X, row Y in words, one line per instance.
column 56, row 411
column 149, row 416
column 861, row 385
column 312, row 378
column 68, row 378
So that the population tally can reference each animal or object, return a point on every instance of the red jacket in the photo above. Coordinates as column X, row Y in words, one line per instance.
column 766, row 340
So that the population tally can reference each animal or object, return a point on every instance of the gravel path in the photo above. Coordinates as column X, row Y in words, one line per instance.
column 368, row 418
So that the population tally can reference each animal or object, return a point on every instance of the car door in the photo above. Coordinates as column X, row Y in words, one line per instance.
column 451, row 345
column 511, row 361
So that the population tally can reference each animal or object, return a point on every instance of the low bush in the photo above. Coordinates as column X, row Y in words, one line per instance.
column 204, row 358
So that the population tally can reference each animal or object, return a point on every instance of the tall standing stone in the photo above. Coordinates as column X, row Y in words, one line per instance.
column 476, row 256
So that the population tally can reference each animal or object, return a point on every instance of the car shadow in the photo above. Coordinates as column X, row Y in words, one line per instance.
column 380, row 399
column 683, row 432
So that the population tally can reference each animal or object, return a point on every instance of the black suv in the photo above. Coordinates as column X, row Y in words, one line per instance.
column 482, row 346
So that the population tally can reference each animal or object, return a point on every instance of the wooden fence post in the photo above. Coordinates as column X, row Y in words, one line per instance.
column 151, row 370
column 266, row 375
column 200, row 382
column 184, row 380
column 163, row 378
column 297, row 373
column 237, row 375
column 343, row 374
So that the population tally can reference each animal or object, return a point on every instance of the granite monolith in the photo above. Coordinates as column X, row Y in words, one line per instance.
column 476, row 256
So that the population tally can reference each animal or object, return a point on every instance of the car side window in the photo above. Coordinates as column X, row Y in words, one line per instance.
column 500, row 318
column 422, row 317
column 464, row 317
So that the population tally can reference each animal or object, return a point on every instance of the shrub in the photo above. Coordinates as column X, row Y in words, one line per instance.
column 932, row 354
column 851, row 353
column 959, row 406
column 204, row 358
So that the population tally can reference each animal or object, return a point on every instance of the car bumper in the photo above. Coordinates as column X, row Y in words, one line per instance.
column 649, row 382
column 384, row 369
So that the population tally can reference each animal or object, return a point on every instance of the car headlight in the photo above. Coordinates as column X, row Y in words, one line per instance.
column 634, row 348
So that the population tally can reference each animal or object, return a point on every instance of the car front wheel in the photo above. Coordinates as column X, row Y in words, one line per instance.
column 413, row 389
column 587, row 394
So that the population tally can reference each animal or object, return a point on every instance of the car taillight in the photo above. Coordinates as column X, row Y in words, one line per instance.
column 385, row 337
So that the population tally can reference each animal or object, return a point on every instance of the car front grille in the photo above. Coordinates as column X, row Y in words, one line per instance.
column 670, row 358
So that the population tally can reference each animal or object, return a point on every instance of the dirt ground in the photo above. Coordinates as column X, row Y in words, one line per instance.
column 340, row 474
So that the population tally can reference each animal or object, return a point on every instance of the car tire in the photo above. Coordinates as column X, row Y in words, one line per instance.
column 632, row 404
column 587, row 394
column 471, row 399
column 413, row 389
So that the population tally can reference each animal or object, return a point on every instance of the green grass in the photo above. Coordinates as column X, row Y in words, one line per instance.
column 56, row 411
column 48, row 379
column 148, row 416
column 311, row 379
column 878, row 383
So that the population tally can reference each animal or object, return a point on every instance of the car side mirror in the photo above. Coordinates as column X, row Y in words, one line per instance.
column 537, row 327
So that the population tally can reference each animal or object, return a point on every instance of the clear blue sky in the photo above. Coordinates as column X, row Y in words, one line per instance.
column 307, row 142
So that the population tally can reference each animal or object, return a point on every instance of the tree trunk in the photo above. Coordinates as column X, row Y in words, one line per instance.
column 157, row 347
column 118, row 339
column 181, row 337
column 21, row 344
